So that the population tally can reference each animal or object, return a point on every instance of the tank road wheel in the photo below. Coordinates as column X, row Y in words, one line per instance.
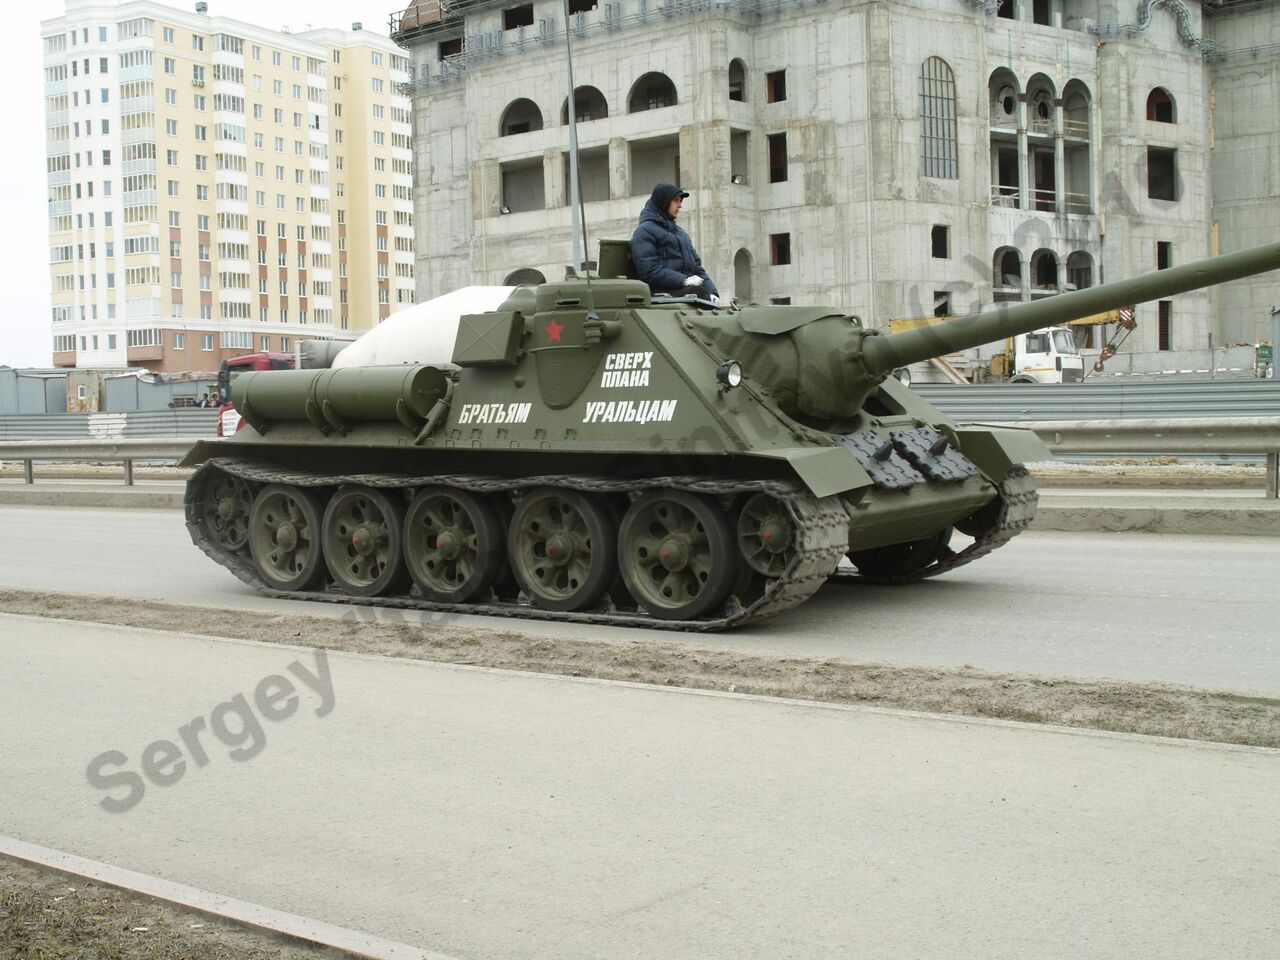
column 897, row 561
column 363, row 530
column 766, row 535
column 677, row 554
column 224, row 510
column 453, row 544
column 284, row 537
column 562, row 548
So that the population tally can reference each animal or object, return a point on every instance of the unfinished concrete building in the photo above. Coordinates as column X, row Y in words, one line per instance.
column 899, row 158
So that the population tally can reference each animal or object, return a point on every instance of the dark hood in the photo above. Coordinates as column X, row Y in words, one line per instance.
column 661, row 198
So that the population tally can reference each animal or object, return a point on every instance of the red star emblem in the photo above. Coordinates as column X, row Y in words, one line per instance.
column 553, row 331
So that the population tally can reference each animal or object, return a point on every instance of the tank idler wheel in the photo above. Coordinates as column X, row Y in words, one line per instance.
column 677, row 554
column 897, row 560
column 766, row 535
column 453, row 544
column 225, row 507
column 363, row 530
column 562, row 547
column 284, row 537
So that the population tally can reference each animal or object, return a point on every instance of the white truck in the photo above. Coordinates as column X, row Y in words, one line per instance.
column 1047, row 355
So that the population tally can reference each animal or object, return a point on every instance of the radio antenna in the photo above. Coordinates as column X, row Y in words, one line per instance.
column 578, row 238
column 578, row 227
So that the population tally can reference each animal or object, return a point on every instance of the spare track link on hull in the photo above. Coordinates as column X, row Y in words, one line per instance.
column 1018, row 502
column 821, row 539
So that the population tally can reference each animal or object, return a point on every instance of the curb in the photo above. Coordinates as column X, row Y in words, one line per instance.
column 1209, row 518
column 52, row 496
column 288, row 926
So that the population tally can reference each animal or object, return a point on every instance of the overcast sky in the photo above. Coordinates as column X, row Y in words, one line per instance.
column 26, row 337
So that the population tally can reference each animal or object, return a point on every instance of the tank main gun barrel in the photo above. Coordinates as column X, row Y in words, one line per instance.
column 882, row 354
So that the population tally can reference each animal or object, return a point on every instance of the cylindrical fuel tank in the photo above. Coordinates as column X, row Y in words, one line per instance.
column 361, row 394
column 336, row 399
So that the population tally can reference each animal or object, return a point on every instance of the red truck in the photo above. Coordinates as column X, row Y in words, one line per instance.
column 228, row 420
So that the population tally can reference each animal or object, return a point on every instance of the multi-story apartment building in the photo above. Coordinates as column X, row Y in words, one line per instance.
column 898, row 157
column 217, row 188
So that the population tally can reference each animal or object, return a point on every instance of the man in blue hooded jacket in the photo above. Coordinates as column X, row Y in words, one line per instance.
column 663, row 254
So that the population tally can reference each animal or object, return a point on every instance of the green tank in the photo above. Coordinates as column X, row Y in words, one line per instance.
column 582, row 451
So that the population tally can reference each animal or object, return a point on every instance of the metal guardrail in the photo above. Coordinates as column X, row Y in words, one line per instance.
column 111, row 451
column 1197, row 435
column 1104, row 400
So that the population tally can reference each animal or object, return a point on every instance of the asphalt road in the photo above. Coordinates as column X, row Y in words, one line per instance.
column 489, row 814
column 1195, row 610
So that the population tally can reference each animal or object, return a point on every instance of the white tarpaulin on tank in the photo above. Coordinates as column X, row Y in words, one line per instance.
column 423, row 333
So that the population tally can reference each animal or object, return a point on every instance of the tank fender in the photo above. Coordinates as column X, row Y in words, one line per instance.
column 198, row 454
column 825, row 471
column 995, row 449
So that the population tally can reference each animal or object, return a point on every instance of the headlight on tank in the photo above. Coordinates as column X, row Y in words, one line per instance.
column 729, row 374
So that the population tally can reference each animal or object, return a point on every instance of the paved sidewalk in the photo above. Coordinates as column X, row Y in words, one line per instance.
column 487, row 814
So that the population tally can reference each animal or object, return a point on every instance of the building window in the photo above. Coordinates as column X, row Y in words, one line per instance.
column 1164, row 254
column 1160, row 106
column 737, row 80
column 521, row 16
column 206, row 341
column 940, row 241
column 450, row 48
column 1162, row 173
column 779, row 249
column 775, row 86
column 777, row 157
column 938, row 149
column 179, row 341
column 1165, row 308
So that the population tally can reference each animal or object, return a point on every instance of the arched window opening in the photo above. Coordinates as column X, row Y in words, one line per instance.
column 653, row 91
column 1004, row 93
column 1044, row 270
column 588, row 104
column 737, row 80
column 1006, row 275
column 1160, row 106
column 525, row 276
column 742, row 276
column 939, row 154
column 1079, row 271
column 1075, row 111
column 521, row 116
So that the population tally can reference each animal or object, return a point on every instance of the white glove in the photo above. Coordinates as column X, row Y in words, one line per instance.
column 693, row 281
column 715, row 298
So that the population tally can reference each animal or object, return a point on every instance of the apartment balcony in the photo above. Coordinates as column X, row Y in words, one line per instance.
column 56, row 118
column 138, row 105
column 138, row 135
column 142, row 71
column 140, row 354
column 132, row 168
column 55, row 88
column 58, row 177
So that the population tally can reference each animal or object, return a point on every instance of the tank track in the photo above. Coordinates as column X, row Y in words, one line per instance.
column 821, row 539
column 1018, row 502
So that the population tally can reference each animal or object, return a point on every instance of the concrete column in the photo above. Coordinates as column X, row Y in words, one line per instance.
column 619, row 169
column 553, row 167
column 1024, row 175
column 1059, row 165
